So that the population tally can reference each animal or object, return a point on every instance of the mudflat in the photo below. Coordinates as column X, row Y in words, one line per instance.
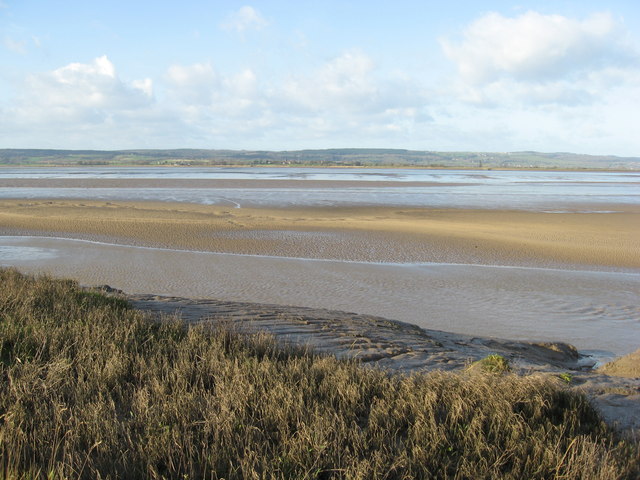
column 377, row 234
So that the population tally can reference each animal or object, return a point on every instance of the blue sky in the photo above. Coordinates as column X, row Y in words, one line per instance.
column 427, row 75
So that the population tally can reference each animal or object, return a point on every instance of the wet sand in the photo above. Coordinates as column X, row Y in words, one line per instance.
column 601, row 241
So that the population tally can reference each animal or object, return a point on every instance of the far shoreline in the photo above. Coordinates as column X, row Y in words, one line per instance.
column 323, row 166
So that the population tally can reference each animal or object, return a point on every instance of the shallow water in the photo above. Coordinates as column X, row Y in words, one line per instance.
column 591, row 310
column 541, row 191
column 330, row 174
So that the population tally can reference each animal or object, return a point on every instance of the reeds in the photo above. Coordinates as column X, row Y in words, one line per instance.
column 92, row 389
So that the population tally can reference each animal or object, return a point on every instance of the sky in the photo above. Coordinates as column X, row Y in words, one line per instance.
column 495, row 76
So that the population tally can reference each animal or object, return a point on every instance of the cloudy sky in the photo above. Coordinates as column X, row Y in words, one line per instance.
column 429, row 75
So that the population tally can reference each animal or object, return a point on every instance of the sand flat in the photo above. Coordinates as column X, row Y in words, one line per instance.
column 493, row 237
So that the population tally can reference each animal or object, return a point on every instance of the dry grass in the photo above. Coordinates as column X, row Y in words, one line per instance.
column 92, row 389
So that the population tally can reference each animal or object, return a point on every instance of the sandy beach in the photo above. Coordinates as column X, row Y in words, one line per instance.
column 491, row 237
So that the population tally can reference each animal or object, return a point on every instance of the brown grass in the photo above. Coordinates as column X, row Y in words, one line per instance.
column 92, row 389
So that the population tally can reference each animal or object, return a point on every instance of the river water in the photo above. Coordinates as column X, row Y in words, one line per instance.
column 542, row 191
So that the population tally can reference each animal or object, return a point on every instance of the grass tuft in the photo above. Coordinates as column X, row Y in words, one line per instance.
column 493, row 363
column 93, row 389
column 565, row 377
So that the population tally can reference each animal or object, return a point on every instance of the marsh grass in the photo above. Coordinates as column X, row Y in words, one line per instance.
column 92, row 389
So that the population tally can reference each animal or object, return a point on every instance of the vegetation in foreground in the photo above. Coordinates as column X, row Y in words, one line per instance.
column 92, row 389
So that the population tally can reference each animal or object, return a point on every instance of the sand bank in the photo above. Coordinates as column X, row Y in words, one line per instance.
column 492, row 237
column 627, row 366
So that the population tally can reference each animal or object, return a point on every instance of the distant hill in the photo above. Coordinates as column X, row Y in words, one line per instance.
column 330, row 157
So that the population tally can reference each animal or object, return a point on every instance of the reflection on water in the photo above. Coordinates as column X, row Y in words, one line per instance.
column 332, row 174
column 592, row 310
column 20, row 253
column 437, row 197
column 440, row 188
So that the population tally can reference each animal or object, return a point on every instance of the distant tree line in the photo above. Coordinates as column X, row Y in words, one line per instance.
column 361, row 157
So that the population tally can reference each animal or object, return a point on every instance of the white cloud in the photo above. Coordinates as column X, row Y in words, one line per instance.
column 145, row 86
column 349, row 100
column 534, row 47
column 541, row 61
column 241, row 94
column 101, row 66
column 88, row 85
column 78, row 95
column 87, row 105
column 247, row 18
column 193, row 84
column 514, row 94
column 200, row 91
column 15, row 46
column 345, row 83
column 244, row 84
column 192, row 75
column 593, row 114
column 21, row 46
column 350, row 83
column 343, row 98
